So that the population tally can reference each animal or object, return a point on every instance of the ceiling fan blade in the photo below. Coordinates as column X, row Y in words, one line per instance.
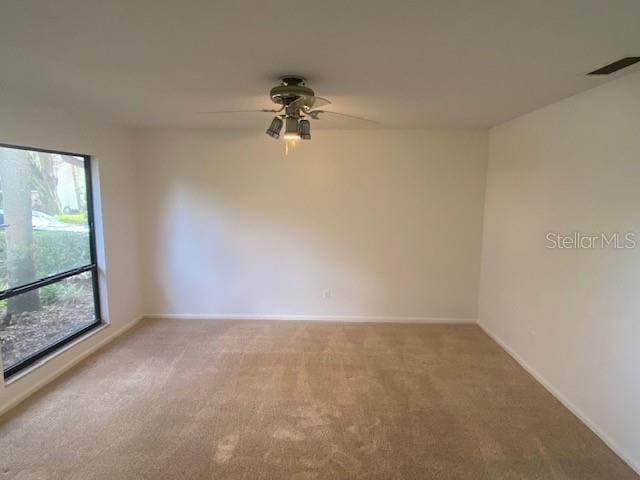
column 310, row 102
column 315, row 115
column 264, row 110
column 318, row 102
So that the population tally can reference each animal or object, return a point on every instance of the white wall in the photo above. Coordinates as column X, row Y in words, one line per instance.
column 389, row 222
column 573, row 316
column 23, row 122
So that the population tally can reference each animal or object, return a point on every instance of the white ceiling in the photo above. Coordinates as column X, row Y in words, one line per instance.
column 413, row 64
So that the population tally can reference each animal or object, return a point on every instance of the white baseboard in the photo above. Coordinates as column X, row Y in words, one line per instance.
column 71, row 363
column 315, row 318
column 562, row 399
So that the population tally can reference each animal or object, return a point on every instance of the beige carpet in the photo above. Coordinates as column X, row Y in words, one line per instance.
column 293, row 400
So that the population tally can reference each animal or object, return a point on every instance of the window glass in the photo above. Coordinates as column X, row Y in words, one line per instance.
column 48, row 288
column 45, row 316
column 44, row 227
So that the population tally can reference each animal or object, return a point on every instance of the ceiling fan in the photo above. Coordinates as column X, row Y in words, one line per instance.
column 298, row 103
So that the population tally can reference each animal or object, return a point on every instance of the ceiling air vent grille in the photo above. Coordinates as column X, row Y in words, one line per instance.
column 615, row 66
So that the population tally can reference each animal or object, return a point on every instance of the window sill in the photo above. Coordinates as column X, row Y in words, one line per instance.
column 44, row 360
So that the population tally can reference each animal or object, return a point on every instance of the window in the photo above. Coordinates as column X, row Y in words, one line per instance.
column 48, row 271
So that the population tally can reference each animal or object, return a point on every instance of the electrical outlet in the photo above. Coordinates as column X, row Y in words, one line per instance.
column 326, row 294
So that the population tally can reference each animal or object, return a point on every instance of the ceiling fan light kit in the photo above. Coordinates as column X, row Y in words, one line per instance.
column 291, row 127
column 275, row 127
column 304, row 129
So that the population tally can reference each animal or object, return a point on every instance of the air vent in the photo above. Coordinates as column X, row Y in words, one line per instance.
column 615, row 66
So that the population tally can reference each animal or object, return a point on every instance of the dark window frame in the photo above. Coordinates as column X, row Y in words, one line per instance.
column 91, row 267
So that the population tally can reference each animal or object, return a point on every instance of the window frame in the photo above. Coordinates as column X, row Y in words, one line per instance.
column 58, row 277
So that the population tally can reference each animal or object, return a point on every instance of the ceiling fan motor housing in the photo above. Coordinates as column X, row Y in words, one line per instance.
column 291, row 88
